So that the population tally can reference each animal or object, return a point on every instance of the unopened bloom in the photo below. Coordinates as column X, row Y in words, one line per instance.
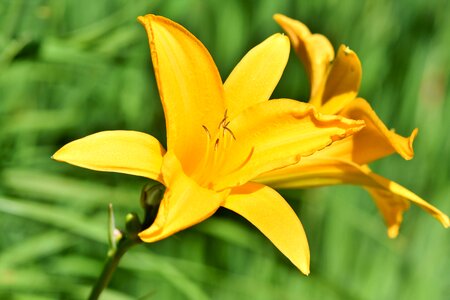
column 219, row 138
column 334, row 85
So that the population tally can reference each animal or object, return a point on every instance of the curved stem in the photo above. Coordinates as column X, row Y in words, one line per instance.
column 112, row 260
column 120, row 242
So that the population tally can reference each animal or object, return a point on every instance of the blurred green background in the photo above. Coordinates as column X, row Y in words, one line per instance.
column 71, row 68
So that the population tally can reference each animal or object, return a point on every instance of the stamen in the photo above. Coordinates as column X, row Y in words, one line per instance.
column 207, row 156
column 207, row 132
column 229, row 130
column 215, row 159
column 225, row 117
column 216, row 144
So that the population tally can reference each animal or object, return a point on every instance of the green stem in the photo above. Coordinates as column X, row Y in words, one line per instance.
column 112, row 260
column 120, row 242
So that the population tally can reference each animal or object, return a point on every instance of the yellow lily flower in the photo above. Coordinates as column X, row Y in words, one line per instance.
column 219, row 138
column 334, row 85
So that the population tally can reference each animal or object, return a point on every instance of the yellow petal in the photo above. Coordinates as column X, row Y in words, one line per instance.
column 342, row 83
column 334, row 81
column 315, row 171
column 128, row 152
column 272, row 215
column 314, row 50
column 391, row 207
column 375, row 141
column 184, row 203
column 257, row 74
column 275, row 134
column 394, row 197
column 189, row 85
column 389, row 196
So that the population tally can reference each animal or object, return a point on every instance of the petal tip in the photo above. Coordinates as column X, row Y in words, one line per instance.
column 282, row 42
column 280, row 36
column 59, row 155
column 392, row 231
column 278, row 17
column 285, row 22
column 408, row 149
column 411, row 139
column 141, row 19
column 346, row 50
column 305, row 269
column 280, row 39
column 146, row 19
column 445, row 221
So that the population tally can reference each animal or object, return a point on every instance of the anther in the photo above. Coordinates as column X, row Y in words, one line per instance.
column 216, row 144
column 224, row 120
column 207, row 131
column 229, row 130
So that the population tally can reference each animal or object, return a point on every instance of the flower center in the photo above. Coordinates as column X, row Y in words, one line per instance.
column 216, row 146
column 215, row 163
